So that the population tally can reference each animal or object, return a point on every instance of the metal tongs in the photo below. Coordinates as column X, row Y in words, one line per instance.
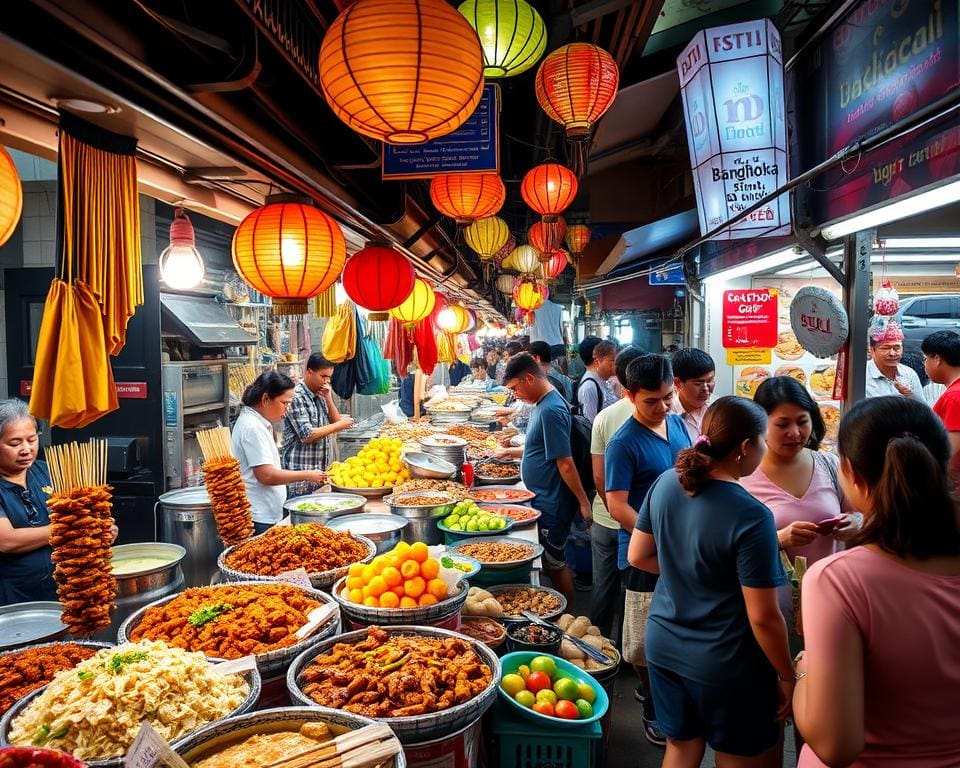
column 593, row 653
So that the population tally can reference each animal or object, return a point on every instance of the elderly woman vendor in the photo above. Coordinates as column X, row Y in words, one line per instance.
column 26, row 571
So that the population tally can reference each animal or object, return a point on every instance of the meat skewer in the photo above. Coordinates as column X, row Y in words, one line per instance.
column 221, row 476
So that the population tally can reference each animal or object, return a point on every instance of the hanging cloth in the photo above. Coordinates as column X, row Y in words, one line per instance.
column 339, row 341
column 398, row 348
column 325, row 305
column 445, row 348
column 425, row 342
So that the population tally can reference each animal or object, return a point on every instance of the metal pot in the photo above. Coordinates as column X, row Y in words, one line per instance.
column 423, row 518
column 298, row 515
column 383, row 530
column 185, row 518
column 428, row 466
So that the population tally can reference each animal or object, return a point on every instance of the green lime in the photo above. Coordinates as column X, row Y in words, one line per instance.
column 544, row 664
column 472, row 525
column 455, row 527
column 512, row 684
column 585, row 708
column 587, row 693
column 566, row 689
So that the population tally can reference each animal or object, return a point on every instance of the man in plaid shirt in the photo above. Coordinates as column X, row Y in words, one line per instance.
column 310, row 421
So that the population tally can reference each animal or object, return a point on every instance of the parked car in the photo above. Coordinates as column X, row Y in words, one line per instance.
column 919, row 316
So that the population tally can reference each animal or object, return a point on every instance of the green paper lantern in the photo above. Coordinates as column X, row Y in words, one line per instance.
column 512, row 35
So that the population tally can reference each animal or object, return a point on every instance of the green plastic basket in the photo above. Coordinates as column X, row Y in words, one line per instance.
column 521, row 744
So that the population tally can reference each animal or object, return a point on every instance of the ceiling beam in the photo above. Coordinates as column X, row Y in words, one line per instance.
column 595, row 9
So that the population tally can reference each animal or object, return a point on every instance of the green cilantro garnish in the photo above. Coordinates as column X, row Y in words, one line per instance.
column 208, row 613
column 44, row 734
column 84, row 675
column 119, row 660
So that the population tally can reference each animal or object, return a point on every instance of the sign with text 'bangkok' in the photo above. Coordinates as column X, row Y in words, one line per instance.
column 731, row 83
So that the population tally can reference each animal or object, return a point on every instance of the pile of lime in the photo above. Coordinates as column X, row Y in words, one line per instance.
column 467, row 516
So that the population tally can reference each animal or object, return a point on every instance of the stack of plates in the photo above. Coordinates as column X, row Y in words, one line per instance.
column 448, row 417
column 446, row 447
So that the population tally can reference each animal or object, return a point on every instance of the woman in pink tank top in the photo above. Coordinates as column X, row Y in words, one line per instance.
column 879, row 682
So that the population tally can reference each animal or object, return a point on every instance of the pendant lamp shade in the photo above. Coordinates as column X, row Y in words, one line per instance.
column 401, row 71
column 578, row 235
column 418, row 305
column 453, row 319
column 557, row 262
column 378, row 278
column 525, row 259
column 465, row 197
column 512, row 35
column 11, row 196
column 547, row 236
column 289, row 250
column 549, row 189
column 529, row 295
column 506, row 284
column 576, row 84
column 486, row 236
column 181, row 265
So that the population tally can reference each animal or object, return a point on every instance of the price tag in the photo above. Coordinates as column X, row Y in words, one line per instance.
column 317, row 618
column 235, row 666
column 298, row 576
column 150, row 750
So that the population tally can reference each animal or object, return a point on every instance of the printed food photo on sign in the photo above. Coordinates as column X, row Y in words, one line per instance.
column 788, row 348
column 822, row 379
column 831, row 419
column 793, row 371
column 749, row 379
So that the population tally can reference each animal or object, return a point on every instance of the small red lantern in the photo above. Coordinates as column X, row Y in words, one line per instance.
column 467, row 196
column 578, row 236
column 558, row 262
column 547, row 236
column 378, row 278
column 549, row 189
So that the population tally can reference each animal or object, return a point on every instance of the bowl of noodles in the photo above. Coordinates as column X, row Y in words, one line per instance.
column 93, row 711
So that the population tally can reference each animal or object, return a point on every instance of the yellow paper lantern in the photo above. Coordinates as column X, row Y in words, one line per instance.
column 525, row 259
column 512, row 34
column 453, row 319
column 418, row 305
column 486, row 236
column 530, row 294
column 401, row 71
column 11, row 196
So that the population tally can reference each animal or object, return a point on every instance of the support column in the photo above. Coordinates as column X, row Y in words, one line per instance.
column 856, row 297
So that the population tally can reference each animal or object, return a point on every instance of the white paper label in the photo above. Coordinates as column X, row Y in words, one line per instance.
column 236, row 666
column 317, row 618
column 149, row 750
column 298, row 576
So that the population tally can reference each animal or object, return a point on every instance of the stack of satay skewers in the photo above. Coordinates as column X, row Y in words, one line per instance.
column 81, row 534
column 368, row 746
column 228, row 497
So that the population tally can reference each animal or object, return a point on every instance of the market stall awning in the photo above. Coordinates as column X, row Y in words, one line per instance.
column 643, row 242
column 203, row 321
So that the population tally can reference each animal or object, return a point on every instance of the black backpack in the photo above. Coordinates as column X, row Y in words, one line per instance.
column 577, row 406
column 580, row 436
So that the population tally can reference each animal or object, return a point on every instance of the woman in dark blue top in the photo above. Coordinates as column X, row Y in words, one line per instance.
column 26, row 571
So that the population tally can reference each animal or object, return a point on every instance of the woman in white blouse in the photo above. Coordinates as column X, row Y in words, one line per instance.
column 254, row 443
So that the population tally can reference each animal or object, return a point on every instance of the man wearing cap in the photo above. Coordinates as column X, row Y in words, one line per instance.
column 886, row 375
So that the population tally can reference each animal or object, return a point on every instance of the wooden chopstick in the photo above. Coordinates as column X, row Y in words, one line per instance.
column 342, row 743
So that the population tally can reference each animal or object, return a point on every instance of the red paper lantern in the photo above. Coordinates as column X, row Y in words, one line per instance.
column 547, row 236
column 557, row 262
column 576, row 84
column 549, row 189
column 439, row 304
column 467, row 196
column 378, row 278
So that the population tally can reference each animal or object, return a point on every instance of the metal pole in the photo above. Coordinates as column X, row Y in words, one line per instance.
column 856, row 297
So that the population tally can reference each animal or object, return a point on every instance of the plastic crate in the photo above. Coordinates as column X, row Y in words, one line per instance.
column 492, row 578
column 521, row 744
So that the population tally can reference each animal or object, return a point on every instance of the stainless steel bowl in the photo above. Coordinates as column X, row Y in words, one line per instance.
column 298, row 515
column 423, row 518
column 367, row 493
column 151, row 578
column 30, row 623
column 383, row 530
column 508, row 564
column 480, row 479
column 429, row 466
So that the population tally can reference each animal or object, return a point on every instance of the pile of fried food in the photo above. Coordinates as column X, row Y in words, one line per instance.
column 94, row 711
column 80, row 523
column 408, row 431
column 459, row 491
column 494, row 551
column 31, row 668
column 516, row 600
column 228, row 497
column 400, row 676
column 467, row 432
column 311, row 546
column 498, row 469
column 229, row 621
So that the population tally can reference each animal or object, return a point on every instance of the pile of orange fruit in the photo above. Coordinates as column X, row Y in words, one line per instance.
column 404, row 577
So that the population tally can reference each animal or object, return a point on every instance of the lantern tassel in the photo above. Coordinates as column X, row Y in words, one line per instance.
column 577, row 151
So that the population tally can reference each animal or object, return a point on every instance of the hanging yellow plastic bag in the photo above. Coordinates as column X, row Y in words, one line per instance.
column 339, row 341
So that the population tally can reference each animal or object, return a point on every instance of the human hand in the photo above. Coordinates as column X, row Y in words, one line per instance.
column 318, row 477
column 586, row 512
column 503, row 412
column 345, row 422
column 902, row 388
column 503, row 454
column 797, row 534
column 785, row 698
column 849, row 527
column 114, row 532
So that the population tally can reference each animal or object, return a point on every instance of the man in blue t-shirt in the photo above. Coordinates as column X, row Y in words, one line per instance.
column 642, row 449
column 547, row 467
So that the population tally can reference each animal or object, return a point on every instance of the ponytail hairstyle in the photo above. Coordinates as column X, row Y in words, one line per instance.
column 900, row 449
column 269, row 383
column 727, row 424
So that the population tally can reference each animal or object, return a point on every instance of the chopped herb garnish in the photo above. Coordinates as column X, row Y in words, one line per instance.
column 44, row 734
column 208, row 613
column 85, row 675
column 447, row 562
column 119, row 660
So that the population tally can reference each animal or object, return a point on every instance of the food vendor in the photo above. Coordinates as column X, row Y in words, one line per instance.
column 26, row 570
column 265, row 402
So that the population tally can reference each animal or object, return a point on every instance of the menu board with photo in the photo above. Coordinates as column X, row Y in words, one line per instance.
column 790, row 359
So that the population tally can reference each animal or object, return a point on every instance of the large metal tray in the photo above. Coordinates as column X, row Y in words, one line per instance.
column 30, row 623
column 507, row 565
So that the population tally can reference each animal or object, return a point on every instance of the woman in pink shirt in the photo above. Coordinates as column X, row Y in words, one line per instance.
column 879, row 682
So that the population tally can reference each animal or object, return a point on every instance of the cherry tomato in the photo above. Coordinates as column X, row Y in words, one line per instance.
column 538, row 681
column 567, row 710
column 545, row 708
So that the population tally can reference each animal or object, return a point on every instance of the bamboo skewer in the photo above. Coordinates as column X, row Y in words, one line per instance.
column 365, row 746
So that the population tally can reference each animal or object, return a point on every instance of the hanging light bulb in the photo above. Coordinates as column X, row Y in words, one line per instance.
column 181, row 265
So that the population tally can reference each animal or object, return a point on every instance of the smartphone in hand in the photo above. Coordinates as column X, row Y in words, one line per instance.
column 826, row 527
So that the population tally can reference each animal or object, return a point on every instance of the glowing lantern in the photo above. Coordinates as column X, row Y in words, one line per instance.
column 181, row 265
column 525, row 259
column 453, row 319
column 474, row 323
column 529, row 294
column 439, row 304
column 558, row 262
column 11, row 196
column 506, row 284
column 512, row 34
column 578, row 236
column 549, row 189
column 289, row 250
column 378, row 278
column 402, row 71
column 575, row 85
column 467, row 196
column 487, row 236
column 418, row 305
column 547, row 236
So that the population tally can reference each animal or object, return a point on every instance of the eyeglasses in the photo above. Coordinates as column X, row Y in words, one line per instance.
column 33, row 514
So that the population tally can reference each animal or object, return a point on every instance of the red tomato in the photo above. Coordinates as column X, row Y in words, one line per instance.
column 538, row 681
column 546, row 708
column 567, row 710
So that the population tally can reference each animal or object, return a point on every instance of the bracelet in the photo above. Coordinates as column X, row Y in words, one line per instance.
column 798, row 675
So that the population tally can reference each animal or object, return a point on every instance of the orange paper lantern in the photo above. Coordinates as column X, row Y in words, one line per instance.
column 11, row 196
column 467, row 196
column 576, row 84
column 547, row 236
column 557, row 262
column 578, row 236
column 418, row 305
column 290, row 251
column 401, row 71
column 529, row 295
column 549, row 189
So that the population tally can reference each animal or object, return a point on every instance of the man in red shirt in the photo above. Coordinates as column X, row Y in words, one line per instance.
column 941, row 361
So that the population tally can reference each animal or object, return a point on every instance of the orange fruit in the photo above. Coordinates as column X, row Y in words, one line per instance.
column 398, row 591
column 414, row 587
column 354, row 582
column 377, row 586
column 426, row 599
column 367, row 573
column 430, row 569
column 389, row 600
column 392, row 576
column 419, row 551
column 394, row 562
column 408, row 602
column 355, row 596
column 356, row 570
column 410, row 569
column 371, row 602
column 402, row 551
column 437, row 588
column 365, row 592
column 378, row 565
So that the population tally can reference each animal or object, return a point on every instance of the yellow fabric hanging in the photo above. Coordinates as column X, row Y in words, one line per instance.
column 339, row 341
column 445, row 348
column 325, row 305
